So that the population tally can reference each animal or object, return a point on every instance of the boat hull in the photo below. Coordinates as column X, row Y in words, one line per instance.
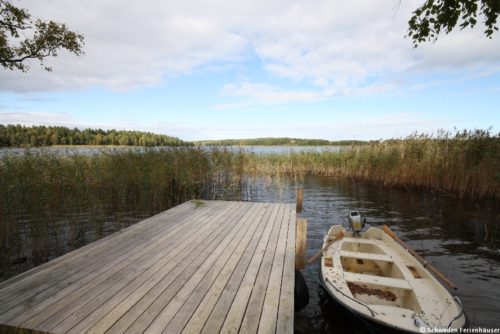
column 371, row 325
column 378, row 284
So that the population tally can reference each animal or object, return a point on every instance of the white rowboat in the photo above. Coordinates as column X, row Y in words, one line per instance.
column 374, row 277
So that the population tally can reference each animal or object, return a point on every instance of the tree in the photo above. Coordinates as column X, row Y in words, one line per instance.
column 435, row 16
column 23, row 37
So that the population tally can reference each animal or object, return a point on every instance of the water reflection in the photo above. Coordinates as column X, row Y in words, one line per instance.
column 459, row 236
column 94, row 150
column 78, row 150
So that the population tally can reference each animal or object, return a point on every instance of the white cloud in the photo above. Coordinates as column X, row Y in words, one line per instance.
column 126, row 45
column 466, row 49
column 392, row 125
column 29, row 118
column 266, row 93
column 341, row 44
column 334, row 45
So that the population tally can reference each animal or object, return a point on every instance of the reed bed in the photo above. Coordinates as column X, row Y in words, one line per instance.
column 463, row 164
column 51, row 204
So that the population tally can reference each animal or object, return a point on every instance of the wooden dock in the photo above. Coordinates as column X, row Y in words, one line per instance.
column 211, row 267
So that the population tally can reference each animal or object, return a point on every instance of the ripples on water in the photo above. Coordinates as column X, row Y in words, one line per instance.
column 93, row 150
column 76, row 150
column 458, row 236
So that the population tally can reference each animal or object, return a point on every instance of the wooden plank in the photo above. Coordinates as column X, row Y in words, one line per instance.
column 80, row 294
column 269, row 314
column 43, row 280
column 82, row 251
column 360, row 241
column 286, row 305
column 224, row 267
column 212, row 288
column 93, row 274
column 377, row 280
column 210, row 318
column 300, row 243
column 107, row 294
column 124, row 302
column 142, row 313
column 246, row 309
column 41, row 294
column 94, row 317
column 366, row 256
column 205, row 273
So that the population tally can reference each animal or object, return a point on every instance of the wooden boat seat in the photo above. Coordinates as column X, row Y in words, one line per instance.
column 377, row 280
column 366, row 256
column 360, row 240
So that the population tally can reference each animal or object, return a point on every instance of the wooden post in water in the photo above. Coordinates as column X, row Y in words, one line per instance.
column 300, row 195
column 300, row 243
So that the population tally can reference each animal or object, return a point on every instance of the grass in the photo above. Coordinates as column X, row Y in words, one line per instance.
column 462, row 164
column 51, row 204
column 198, row 203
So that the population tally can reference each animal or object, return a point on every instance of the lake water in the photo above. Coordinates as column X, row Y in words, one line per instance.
column 460, row 237
column 288, row 149
column 92, row 150
column 74, row 150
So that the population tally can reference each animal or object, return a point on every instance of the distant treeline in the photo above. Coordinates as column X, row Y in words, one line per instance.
column 23, row 136
column 280, row 141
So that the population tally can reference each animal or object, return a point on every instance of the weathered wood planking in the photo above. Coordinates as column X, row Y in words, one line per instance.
column 222, row 267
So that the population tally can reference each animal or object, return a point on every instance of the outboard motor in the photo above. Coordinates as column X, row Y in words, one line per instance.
column 356, row 222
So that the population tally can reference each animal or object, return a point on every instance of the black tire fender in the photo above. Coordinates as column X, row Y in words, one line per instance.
column 301, row 293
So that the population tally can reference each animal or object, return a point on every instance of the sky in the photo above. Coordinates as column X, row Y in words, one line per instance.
column 223, row 69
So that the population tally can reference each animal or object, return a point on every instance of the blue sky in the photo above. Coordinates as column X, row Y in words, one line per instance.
column 225, row 69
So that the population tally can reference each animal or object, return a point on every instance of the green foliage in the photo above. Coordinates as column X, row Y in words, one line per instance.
column 22, row 37
column 198, row 203
column 435, row 16
column 21, row 136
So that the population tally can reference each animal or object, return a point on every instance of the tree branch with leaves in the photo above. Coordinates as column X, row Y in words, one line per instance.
column 435, row 16
column 23, row 37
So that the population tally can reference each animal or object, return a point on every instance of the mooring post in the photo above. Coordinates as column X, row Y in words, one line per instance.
column 300, row 243
column 300, row 195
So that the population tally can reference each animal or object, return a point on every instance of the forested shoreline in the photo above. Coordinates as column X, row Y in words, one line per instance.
column 281, row 141
column 38, row 136
column 35, row 136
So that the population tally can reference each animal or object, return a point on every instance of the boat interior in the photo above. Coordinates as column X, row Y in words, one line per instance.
column 374, row 278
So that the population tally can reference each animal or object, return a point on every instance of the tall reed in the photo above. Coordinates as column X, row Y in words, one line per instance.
column 50, row 204
column 466, row 163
